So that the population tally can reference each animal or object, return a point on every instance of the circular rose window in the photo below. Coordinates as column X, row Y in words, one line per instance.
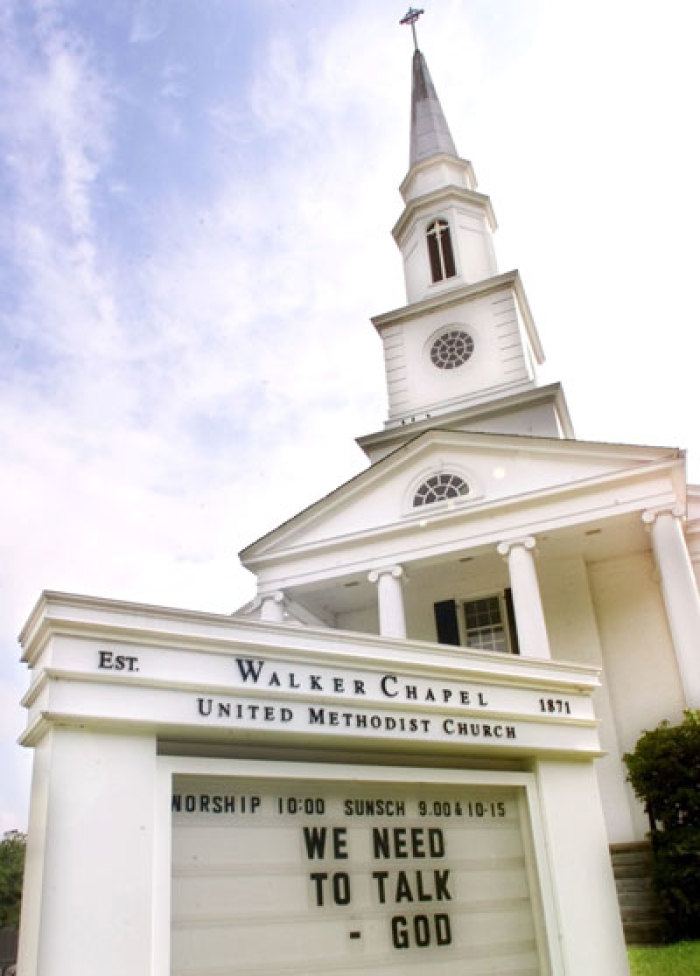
column 451, row 349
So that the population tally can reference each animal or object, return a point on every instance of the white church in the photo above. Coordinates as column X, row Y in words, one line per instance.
column 407, row 750
column 482, row 522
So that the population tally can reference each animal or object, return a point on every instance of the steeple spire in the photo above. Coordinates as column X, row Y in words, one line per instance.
column 430, row 134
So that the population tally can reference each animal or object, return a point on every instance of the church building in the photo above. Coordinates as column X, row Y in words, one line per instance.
column 482, row 522
column 405, row 754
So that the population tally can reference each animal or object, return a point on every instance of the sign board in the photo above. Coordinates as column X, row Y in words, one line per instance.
column 288, row 877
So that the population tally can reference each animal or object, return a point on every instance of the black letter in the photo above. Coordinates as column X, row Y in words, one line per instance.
column 340, row 843
column 398, row 935
column 380, row 877
column 441, row 892
column 249, row 669
column 318, row 879
column 380, row 839
column 442, row 929
column 315, row 840
column 341, row 888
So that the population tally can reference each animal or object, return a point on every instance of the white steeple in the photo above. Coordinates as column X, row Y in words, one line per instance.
column 462, row 352
column 442, row 204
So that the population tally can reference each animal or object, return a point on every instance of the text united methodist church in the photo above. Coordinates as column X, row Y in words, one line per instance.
column 404, row 756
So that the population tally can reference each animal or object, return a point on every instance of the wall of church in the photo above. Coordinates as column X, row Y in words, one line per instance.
column 638, row 656
column 539, row 420
column 639, row 665
column 362, row 621
column 476, row 256
column 573, row 632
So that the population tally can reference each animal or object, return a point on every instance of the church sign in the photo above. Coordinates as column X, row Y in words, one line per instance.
column 219, row 797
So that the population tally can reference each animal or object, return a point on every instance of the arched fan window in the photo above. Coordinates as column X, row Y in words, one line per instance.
column 438, row 487
column 442, row 260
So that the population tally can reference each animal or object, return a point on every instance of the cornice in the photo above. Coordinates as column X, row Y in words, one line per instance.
column 430, row 163
column 464, row 293
column 428, row 201
column 100, row 619
column 445, row 299
column 479, row 409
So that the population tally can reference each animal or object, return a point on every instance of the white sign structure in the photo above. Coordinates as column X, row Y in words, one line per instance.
column 220, row 796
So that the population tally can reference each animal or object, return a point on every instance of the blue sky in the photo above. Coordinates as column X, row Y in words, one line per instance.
column 196, row 199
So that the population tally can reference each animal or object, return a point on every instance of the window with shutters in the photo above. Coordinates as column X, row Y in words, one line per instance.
column 486, row 623
column 440, row 253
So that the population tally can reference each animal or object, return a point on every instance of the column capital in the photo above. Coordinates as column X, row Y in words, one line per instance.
column 396, row 571
column 276, row 595
column 526, row 541
column 651, row 514
column 272, row 606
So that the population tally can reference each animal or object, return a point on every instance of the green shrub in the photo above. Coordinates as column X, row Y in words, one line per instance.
column 12, row 848
column 664, row 770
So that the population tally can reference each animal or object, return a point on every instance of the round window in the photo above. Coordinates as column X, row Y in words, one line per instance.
column 451, row 349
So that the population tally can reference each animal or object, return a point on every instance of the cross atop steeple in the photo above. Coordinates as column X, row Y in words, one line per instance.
column 411, row 18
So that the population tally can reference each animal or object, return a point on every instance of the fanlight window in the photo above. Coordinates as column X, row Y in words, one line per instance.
column 440, row 253
column 438, row 487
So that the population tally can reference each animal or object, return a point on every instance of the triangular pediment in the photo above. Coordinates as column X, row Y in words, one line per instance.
column 498, row 470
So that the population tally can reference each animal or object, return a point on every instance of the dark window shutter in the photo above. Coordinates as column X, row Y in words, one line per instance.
column 446, row 622
column 510, row 613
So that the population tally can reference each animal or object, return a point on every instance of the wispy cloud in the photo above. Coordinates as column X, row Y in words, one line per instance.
column 56, row 126
column 149, row 20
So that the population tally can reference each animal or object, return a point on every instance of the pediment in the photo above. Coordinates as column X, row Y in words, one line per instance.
column 497, row 469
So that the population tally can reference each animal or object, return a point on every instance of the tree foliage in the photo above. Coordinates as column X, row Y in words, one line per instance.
column 664, row 770
column 12, row 848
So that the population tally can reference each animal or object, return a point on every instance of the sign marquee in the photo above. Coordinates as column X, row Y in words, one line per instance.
column 278, row 876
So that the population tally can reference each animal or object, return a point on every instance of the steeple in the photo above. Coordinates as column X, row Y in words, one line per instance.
column 462, row 351
column 430, row 134
column 442, row 204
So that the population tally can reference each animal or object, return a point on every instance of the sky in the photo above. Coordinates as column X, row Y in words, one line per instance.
column 196, row 203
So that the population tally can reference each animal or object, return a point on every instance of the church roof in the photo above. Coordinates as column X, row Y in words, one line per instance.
column 430, row 134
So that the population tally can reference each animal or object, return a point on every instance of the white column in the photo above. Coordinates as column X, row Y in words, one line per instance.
column 272, row 606
column 392, row 614
column 680, row 594
column 527, row 603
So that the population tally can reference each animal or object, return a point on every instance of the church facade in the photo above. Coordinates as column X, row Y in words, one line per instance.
column 407, row 749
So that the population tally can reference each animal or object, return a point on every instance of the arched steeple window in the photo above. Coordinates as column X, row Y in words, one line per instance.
column 440, row 253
